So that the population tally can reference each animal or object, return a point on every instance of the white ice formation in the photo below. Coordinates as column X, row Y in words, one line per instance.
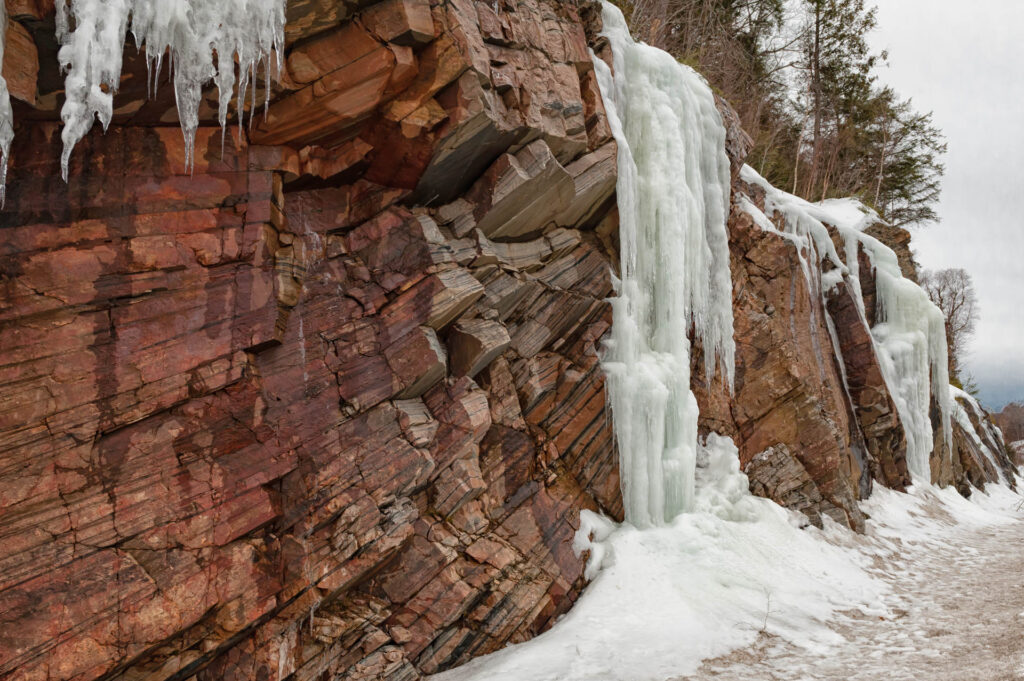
column 673, row 194
column 962, row 402
column 203, row 40
column 6, row 114
column 909, row 330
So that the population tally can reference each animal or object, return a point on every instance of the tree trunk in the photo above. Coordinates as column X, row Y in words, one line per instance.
column 816, row 85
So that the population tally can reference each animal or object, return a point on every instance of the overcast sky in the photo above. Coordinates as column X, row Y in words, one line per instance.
column 963, row 61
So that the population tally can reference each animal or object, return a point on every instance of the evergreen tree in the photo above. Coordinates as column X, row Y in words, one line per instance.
column 804, row 88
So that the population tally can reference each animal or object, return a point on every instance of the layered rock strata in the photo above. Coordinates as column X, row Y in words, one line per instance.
column 329, row 406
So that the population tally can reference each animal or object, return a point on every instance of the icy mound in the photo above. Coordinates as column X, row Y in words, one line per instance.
column 673, row 193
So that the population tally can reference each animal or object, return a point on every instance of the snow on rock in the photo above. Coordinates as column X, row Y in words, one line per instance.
column 962, row 402
column 673, row 193
column 909, row 330
column 204, row 39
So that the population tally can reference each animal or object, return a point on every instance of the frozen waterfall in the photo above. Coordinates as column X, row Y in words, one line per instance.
column 673, row 194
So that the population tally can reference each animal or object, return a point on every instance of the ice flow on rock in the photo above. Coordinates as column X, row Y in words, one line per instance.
column 673, row 194
column 202, row 39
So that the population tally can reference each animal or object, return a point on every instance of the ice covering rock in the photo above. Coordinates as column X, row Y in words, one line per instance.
column 205, row 38
column 673, row 194
column 6, row 114
column 908, row 331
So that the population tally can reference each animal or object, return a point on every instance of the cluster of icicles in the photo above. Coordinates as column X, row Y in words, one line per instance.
column 202, row 39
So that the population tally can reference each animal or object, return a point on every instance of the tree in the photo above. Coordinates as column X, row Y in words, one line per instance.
column 837, row 74
column 800, row 74
column 908, row 147
column 952, row 290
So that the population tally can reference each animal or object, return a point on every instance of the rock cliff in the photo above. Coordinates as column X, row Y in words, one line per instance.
column 329, row 405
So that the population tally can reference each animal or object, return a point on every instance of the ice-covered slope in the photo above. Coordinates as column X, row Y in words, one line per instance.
column 673, row 193
column 909, row 330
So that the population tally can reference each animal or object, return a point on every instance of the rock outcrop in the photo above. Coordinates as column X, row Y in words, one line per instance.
column 328, row 406
column 1011, row 421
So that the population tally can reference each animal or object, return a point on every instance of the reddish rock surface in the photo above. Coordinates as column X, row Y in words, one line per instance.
column 788, row 387
column 1011, row 421
column 329, row 406
column 279, row 418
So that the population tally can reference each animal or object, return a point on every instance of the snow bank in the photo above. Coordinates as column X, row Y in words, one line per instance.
column 203, row 40
column 664, row 599
column 711, row 581
column 673, row 194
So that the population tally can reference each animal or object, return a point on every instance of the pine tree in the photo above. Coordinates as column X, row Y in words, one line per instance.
column 837, row 73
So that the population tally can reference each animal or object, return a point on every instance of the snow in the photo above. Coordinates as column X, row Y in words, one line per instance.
column 710, row 581
column 204, row 39
column 6, row 113
column 909, row 330
column 738, row 568
column 673, row 193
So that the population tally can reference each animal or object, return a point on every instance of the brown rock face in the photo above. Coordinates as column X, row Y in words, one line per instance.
column 874, row 410
column 279, row 418
column 789, row 388
column 1011, row 421
column 777, row 475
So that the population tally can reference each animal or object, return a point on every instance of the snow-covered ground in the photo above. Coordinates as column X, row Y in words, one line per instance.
column 736, row 591
column 956, row 601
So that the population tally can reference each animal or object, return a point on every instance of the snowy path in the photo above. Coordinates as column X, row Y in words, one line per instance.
column 958, row 615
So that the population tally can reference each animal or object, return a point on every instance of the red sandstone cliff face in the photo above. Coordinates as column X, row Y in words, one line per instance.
column 330, row 406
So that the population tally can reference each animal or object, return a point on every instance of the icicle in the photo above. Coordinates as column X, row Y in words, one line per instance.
column 193, row 31
column 6, row 113
column 91, row 55
column 673, row 194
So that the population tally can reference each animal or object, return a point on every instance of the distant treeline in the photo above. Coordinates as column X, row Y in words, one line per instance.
column 801, row 75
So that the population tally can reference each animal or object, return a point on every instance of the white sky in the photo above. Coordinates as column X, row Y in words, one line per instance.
column 963, row 61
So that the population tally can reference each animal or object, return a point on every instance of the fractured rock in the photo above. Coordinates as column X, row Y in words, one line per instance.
column 522, row 193
column 777, row 475
column 474, row 343
column 419, row 362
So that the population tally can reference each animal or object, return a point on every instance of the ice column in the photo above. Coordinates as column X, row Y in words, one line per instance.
column 673, row 194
